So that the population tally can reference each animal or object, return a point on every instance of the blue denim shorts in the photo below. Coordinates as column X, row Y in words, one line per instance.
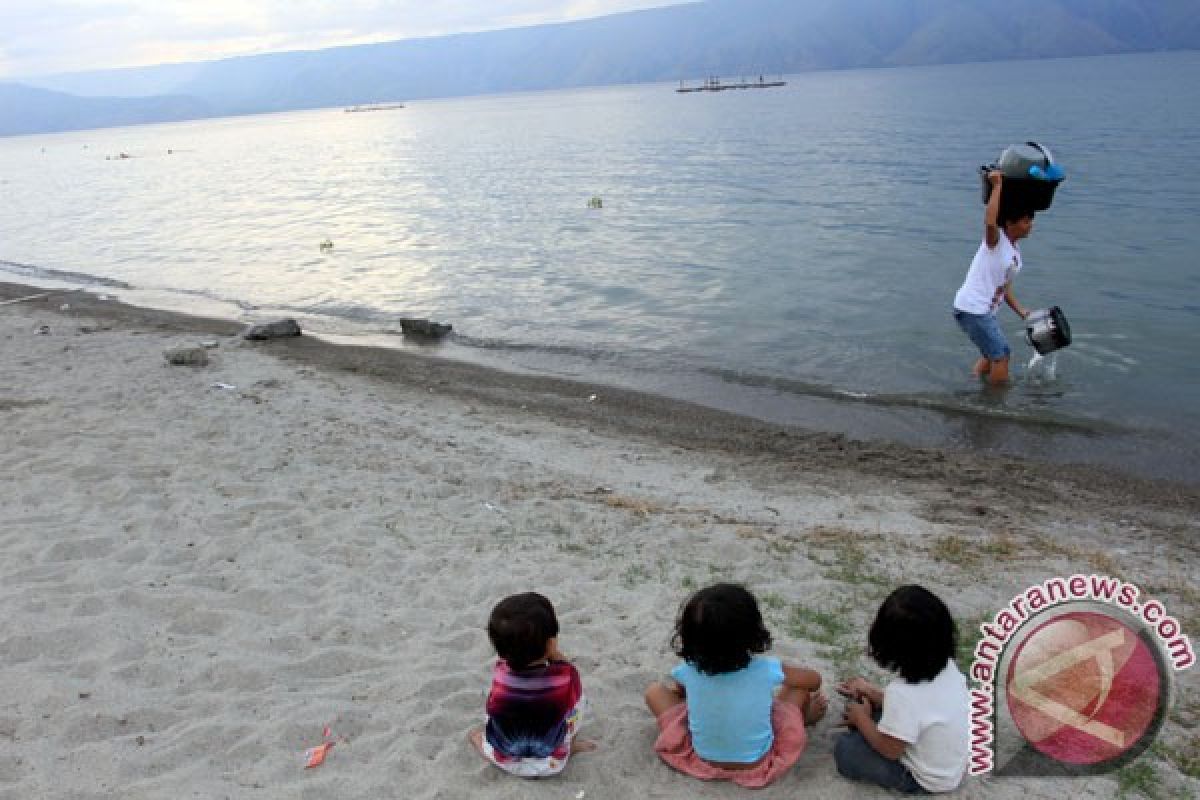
column 984, row 331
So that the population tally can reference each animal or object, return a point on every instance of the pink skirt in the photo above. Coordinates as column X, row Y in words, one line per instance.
column 674, row 746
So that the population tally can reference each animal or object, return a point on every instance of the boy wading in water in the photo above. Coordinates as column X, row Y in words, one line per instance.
column 989, row 280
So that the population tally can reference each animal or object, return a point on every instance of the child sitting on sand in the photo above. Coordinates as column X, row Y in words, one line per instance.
column 721, row 717
column 911, row 736
column 536, row 702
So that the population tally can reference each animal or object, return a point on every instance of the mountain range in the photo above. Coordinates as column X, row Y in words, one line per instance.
column 717, row 37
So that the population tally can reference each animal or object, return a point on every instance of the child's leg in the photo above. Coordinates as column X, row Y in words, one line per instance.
column 806, row 693
column 574, row 720
column 858, row 761
column 984, row 331
column 998, row 371
column 661, row 696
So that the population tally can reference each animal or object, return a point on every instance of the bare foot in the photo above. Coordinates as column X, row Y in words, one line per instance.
column 583, row 746
column 815, row 708
column 475, row 737
column 982, row 367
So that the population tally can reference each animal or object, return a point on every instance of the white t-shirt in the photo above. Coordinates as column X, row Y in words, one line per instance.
column 991, row 269
column 934, row 718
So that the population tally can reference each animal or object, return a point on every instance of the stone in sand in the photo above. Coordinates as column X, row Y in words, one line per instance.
column 186, row 357
column 278, row 329
column 423, row 327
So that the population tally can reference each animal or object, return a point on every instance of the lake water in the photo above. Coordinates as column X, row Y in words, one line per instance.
column 789, row 253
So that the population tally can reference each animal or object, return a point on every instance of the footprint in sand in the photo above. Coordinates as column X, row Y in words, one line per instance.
column 79, row 550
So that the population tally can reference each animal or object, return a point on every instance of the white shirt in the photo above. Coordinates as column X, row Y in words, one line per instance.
column 933, row 717
column 991, row 269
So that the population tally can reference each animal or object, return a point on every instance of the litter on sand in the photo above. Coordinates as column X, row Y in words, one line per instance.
column 225, row 386
column 315, row 756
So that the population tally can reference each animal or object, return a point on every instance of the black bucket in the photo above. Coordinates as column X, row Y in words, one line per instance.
column 1047, row 330
column 1022, row 189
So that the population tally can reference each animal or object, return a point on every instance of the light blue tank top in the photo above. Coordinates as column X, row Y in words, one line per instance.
column 729, row 715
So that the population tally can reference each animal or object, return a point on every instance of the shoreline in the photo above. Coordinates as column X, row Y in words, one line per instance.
column 623, row 411
column 972, row 420
column 201, row 568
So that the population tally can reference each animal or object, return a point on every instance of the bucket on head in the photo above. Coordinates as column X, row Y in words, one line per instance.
column 1027, row 160
column 1030, row 177
column 1047, row 330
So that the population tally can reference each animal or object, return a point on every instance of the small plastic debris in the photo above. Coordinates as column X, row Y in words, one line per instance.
column 580, row 794
column 42, row 330
column 315, row 756
column 596, row 202
column 491, row 507
column 65, row 307
column 211, row 344
column 326, row 246
column 226, row 386
column 591, row 398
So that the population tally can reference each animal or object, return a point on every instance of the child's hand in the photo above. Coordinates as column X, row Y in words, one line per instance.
column 855, row 688
column 995, row 177
column 858, row 713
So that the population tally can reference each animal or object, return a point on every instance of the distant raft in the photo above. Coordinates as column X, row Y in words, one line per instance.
column 714, row 84
column 374, row 107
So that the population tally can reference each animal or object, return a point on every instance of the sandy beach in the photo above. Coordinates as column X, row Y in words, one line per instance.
column 203, row 568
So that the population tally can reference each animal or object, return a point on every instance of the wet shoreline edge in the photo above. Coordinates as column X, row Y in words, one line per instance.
column 665, row 421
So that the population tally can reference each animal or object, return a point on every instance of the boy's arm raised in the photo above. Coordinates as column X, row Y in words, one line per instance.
column 991, row 213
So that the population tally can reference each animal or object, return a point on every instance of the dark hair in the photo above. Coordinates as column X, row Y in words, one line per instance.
column 913, row 634
column 520, row 626
column 719, row 629
column 1013, row 213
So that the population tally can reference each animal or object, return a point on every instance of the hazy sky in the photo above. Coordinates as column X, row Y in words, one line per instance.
column 40, row 37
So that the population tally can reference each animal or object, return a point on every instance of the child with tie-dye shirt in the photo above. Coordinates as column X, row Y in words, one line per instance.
column 536, row 701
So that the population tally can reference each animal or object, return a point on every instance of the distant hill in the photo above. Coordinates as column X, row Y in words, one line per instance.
column 722, row 37
column 28, row 110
